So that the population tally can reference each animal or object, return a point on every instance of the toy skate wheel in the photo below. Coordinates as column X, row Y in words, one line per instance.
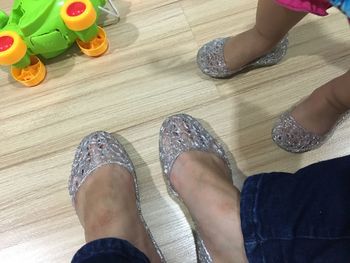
column 97, row 46
column 78, row 15
column 12, row 48
column 32, row 75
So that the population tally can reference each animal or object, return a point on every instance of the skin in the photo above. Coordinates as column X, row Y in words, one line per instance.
column 204, row 184
column 105, row 205
column 322, row 109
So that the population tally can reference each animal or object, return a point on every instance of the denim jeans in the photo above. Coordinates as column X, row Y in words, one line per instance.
column 302, row 217
column 109, row 250
column 286, row 218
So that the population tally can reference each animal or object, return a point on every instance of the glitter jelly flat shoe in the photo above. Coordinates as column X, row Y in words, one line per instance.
column 178, row 134
column 211, row 60
column 288, row 134
column 96, row 150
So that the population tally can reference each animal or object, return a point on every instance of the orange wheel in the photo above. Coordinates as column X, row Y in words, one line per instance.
column 12, row 48
column 97, row 46
column 78, row 15
column 32, row 75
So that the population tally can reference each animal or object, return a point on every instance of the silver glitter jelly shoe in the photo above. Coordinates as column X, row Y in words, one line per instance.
column 288, row 134
column 211, row 61
column 98, row 149
column 181, row 133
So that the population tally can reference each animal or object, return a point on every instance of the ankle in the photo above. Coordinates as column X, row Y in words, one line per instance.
column 327, row 100
column 220, row 228
column 267, row 40
column 336, row 94
column 203, row 182
column 101, row 224
column 123, row 224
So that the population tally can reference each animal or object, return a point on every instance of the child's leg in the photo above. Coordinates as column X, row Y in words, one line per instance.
column 322, row 109
column 272, row 23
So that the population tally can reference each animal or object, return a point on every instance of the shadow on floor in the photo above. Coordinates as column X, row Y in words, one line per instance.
column 314, row 36
column 253, row 144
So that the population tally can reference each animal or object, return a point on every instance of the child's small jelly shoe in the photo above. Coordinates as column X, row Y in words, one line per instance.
column 211, row 60
column 288, row 134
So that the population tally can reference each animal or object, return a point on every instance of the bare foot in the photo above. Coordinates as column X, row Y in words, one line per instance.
column 246, row 47
column 106, row 207
column 203, row 182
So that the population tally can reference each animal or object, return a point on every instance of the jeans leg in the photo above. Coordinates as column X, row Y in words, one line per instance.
column 109, row 250
column 298, row 218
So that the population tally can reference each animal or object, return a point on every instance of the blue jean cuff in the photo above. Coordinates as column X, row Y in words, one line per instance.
column 112, row 248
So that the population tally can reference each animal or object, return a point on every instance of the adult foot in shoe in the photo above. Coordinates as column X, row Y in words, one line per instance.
column 106, row 207
column 203, row 181
column 104, row 192
column 197, row 169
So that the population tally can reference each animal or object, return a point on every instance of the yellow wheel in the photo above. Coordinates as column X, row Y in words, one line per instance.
column 12, row 48
column 78, row 15
column 32, row 75
column 97, row 46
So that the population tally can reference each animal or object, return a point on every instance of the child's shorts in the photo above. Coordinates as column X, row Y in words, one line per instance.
column 298, row 218
column 317, row 7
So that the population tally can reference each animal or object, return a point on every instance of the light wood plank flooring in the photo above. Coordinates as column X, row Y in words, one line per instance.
column 149, row 73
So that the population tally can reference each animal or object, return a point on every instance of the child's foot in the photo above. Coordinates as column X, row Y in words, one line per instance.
column 224, row 57
column 316, row 116
column 245, row 48
column 311, row 123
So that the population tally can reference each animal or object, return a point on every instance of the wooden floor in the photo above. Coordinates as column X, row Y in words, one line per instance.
column 148, row 74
